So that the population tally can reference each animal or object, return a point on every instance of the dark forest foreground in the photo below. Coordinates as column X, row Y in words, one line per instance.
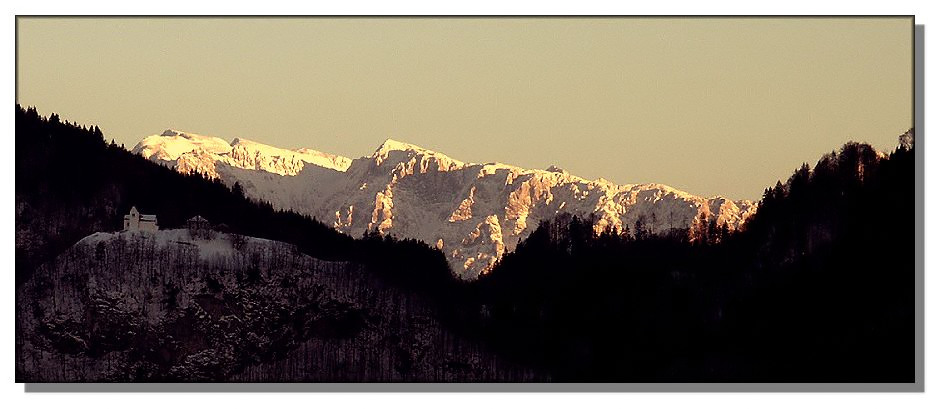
column 817, row 287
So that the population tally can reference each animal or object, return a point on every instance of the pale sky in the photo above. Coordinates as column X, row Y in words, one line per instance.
column 723, row 106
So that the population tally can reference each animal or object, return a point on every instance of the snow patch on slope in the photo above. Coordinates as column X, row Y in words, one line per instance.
column 220, row 245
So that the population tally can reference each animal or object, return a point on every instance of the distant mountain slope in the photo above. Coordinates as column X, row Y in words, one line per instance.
column 473, row 212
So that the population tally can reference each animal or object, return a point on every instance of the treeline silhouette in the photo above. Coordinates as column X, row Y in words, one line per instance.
column 71, row 183
column 818, row 286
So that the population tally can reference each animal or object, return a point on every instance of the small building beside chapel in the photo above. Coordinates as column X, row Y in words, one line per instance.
column 199, row 228
column 135, row 221
column 198, row 222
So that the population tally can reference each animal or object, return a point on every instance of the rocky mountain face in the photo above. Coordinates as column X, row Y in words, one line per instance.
column 175, row 305
column 473, row 212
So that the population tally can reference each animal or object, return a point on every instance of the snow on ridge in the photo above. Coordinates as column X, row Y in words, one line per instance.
column 220, row 245
column 390, row 145
column 307, row 155
column 556, row 169
column 170, row 145
column 181, row 143
column 410, row 151
column 473, row 212
column 194, row 152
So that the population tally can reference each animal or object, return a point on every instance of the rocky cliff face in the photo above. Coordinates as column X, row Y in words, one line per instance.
column 473, row 212
column 166, row 306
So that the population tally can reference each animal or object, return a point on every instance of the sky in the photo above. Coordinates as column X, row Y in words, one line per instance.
column 712, row 106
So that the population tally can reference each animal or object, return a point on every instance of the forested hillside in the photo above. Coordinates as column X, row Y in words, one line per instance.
column 817, row 287
column 71, row 183
column 130, row 310
column 179, row 306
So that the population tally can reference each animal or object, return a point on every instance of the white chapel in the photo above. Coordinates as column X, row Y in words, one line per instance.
column 134, row 221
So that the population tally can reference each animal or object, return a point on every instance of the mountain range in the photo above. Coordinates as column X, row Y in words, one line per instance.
column 270, row 295
column 473, row 212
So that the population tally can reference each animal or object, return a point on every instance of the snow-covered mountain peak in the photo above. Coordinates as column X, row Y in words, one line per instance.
column 556, row 169
column 473, row 212
column 390, row 145
column 261, row 148
column 285, row 161
column 404, row 152
column 188, row 136
column 171, row 144
column 192, row 152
